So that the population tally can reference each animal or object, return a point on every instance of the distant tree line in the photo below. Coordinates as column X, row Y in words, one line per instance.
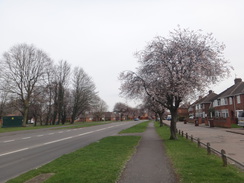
column 32, row 84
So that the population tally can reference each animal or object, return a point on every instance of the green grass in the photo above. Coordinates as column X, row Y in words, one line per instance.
column 31, row 127
column 100, row 162
column 139, row 128
column 193, row 165
column 235, row 126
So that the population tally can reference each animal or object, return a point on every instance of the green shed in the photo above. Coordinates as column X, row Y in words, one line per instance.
column 12, row 121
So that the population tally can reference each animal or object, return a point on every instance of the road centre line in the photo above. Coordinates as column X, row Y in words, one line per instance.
column 13, row 152
column 51, row 142
column 24, row 138
column 8, row 141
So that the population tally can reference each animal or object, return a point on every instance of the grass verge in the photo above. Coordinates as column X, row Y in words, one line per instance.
column 193, row 165
column 139, row 128
column 100, row 162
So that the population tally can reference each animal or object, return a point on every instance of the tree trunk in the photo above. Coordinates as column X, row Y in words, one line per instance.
column 25, row 116
column 160, row 119
column 173, row 125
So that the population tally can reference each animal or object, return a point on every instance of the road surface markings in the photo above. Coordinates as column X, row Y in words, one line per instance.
column 26, row 138
column 13, row 152
column 51, row 142
column 8, row 141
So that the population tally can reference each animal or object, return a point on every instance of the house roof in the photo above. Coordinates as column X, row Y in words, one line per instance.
column 236, row 89
column 198, row 101
column 207, row 99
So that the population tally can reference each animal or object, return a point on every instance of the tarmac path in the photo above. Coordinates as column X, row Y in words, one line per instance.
column 149, row 164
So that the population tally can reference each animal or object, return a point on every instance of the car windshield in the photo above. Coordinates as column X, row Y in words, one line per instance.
column 241, row 114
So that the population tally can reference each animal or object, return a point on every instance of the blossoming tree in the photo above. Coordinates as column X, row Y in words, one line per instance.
column 171, row 69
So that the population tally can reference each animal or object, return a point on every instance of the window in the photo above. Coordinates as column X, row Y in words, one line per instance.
column 224, row 113
column 217, row 113
column 226, row 101
column 218, row 101
column 238, row 98
column 230, row 101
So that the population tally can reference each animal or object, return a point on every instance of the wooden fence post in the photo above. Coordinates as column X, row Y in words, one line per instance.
column 179, row 132
column 224, row 158
column 198, row 142
column 182, row 133
column 186, row 135
column 208, row 148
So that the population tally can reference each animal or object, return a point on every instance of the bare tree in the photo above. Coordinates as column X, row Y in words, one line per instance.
column 83, row 93
column 3, row 102
column 23, row 68
column 173, row 68
column 121, row 108
column 59, row 85
column 99, row 108
column 155, row 107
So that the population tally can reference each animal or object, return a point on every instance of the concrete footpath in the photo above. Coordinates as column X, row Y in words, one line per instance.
column 231, row 140
column 149, row 163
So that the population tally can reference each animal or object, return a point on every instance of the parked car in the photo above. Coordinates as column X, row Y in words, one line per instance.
column 168, row 117
column 191, row 117
column 241, row 119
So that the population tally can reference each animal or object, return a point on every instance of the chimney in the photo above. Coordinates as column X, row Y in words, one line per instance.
column 210, row 91
column 238, row 80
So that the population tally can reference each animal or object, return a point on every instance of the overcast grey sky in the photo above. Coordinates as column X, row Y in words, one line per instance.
column 101, row 36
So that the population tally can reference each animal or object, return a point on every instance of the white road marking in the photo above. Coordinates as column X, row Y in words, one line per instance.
column 51, row 142
column 13, row 152
column 8, row 141
column 26, row 138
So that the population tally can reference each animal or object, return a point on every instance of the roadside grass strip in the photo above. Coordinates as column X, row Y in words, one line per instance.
column 102, row 162
column 139, row 128
column 193, row 165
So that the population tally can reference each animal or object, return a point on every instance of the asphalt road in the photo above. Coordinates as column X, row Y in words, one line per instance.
column 23, row 151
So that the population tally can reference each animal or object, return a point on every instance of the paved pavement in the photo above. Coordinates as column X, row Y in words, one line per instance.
column 149, row 163
column 231, row 140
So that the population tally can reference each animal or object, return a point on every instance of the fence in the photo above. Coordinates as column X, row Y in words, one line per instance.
column 210, row 150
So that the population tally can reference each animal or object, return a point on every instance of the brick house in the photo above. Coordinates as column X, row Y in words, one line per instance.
column 110, row 116
column 230, row 102
column 193, row 106
column 201, row 107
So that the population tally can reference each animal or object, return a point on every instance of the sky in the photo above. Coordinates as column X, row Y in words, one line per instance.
column 102, row 36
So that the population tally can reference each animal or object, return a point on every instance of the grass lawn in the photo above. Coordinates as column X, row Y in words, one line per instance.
column 100, row 162
column 31, row 127
column 139, row 128
column 193, row 165
column 236, row 126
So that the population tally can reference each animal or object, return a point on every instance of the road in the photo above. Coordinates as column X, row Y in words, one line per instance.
column 23, row 151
